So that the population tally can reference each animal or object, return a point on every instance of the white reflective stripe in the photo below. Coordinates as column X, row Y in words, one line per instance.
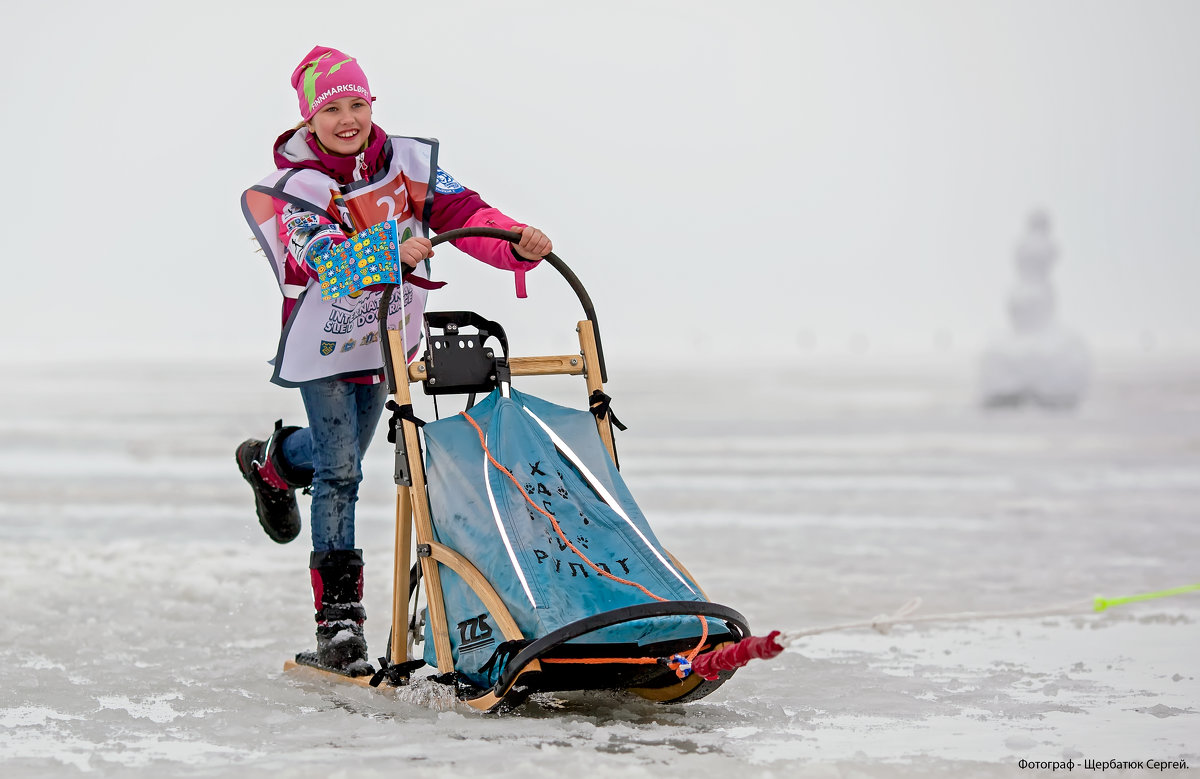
column 500, row 526
column 604, row 495
column 292, row 290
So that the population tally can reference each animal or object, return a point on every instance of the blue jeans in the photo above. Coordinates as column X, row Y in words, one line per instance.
column 341, row 420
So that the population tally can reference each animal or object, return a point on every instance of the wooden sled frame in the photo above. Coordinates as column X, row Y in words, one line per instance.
column 413, row 514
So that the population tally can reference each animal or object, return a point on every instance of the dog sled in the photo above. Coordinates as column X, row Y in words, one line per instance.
column 539, row 572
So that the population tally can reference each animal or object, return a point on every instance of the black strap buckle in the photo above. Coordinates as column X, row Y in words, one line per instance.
column 396, row 675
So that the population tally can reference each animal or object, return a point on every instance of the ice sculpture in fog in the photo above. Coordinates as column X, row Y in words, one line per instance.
column 1039, row 361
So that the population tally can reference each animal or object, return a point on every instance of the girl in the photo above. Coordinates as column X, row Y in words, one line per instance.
column 329, row 348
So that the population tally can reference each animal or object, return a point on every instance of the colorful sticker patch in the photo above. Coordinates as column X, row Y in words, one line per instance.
column 327, row 347
column 371, row 257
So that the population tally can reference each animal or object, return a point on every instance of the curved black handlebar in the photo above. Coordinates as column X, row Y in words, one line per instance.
column 504, row 235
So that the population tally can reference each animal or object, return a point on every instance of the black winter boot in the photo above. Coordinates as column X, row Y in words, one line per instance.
column 337, row 579
column 274, row 483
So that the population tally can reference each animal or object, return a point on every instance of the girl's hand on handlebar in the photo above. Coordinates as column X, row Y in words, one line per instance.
column 414, row 250
column 534, row 243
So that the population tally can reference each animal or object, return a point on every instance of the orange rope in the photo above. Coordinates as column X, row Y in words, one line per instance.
column 483, row 443
column 703, row 637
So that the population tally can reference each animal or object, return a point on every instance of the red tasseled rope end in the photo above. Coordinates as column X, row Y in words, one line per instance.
column 730, row 658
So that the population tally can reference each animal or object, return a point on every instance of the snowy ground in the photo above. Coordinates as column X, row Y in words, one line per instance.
column 144, row 617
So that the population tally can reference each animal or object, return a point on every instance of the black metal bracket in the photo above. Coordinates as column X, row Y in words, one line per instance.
column 402, row 475
column 459, row 362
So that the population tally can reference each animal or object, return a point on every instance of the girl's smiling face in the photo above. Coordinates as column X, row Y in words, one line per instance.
column 343, row 125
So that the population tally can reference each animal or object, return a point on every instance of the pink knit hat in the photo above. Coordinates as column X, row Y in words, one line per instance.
column 327, row 74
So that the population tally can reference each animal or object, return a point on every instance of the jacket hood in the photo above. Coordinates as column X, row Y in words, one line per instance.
column 298, row 148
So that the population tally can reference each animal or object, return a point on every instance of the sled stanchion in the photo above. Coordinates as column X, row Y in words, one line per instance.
column 420, row 515
column 595, row 381
column 399, row 643
column 404, row 520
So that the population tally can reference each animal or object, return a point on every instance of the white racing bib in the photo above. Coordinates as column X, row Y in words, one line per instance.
column 339, row 338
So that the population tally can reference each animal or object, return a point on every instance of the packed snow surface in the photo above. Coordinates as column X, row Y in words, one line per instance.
column 145, row 617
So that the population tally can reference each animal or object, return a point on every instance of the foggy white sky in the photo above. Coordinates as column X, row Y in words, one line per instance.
column 782, row 177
